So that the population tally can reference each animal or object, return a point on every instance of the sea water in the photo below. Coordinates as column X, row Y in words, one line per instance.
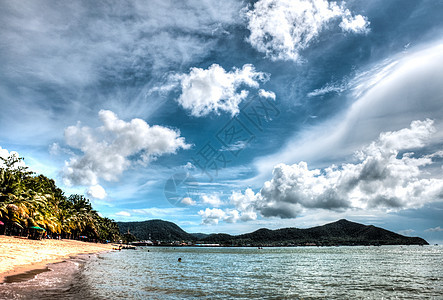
column 386, row 272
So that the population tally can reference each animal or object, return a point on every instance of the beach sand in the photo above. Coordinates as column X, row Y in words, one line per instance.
column 19, row 255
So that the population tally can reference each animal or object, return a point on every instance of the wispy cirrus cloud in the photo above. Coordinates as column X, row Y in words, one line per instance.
column 435, row 229
column 328, row 88
column 69, row 60
column 385, row 96
column 152, row 212
column 406, row 232
column 66, row 44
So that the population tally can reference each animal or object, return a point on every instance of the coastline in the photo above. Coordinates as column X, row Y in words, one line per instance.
column 20, row 255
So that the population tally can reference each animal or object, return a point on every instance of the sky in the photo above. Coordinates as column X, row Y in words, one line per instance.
column 230, row 116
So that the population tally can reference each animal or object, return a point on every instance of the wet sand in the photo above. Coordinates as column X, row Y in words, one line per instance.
column 20, row 255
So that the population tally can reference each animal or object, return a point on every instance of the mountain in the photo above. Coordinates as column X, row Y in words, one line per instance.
column 155, row 230
column 199, row 235
column 342, row 232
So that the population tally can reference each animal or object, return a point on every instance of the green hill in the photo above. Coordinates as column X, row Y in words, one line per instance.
column 155, row 230
column 342, row 232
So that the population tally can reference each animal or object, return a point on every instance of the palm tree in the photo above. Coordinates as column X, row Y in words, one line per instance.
column 28, row 200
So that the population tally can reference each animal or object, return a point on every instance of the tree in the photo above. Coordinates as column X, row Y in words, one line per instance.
column 27, row 200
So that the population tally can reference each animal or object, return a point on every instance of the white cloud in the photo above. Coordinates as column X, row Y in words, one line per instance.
column 142, row 214
column 231, row 216
column 5, row 154
column 213, row 200
column 214, row 89
column 212, row 216
column 266, row 94
column 61, row 49
column 188, row 201
column 357, row 24
column 407, row 232
column 156, row 212
column 245, row 204
column 89, row 60
column 244, row 209
column 435, row 229
column 329, row 88
column 283, row 28
column 55, row 149
column 237, row 146
column 123, row 214
column 110, row 149
column 96, row 191
column 385, row 97
column 189, row 166
column 387, row 176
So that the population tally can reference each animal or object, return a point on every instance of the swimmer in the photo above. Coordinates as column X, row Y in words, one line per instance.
column 179, row 259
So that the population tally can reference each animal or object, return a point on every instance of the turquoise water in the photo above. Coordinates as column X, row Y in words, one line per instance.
column 387, row 272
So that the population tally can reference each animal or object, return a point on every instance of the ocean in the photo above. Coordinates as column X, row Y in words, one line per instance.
column 386, row 272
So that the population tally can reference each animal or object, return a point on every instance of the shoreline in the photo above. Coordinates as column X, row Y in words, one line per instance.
column 20, row 255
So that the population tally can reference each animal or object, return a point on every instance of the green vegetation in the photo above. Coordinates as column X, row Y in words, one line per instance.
column 156, row 230
column 342, row 232
column 27, row 200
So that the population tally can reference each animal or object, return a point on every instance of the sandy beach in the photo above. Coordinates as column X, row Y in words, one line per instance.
column 18, row 255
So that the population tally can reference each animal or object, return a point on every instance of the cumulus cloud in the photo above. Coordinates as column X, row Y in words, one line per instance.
column 97, row 192
column 212, row 216
column 214, row 90
column 244, row 203
column 188, row 201
column 283, row 28
column 107, row 151
column 213, row 200
column 5, row 154
column 266, row 94
column 357, row 24
column 244, row 209
column 123, row 214
column 387, row 175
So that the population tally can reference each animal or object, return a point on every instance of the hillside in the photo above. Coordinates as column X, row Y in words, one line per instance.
column 342, row 232
column 155, row 230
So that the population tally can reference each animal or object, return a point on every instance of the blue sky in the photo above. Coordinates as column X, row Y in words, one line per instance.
column 231, row 116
